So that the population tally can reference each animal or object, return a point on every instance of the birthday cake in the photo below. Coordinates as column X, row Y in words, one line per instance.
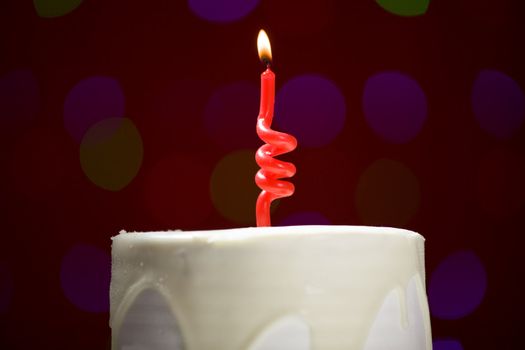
column 270, row 288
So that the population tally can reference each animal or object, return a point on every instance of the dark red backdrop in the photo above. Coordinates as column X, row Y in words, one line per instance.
column 456, row 180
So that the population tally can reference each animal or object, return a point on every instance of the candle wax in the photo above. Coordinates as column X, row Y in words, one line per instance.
column 277, row 143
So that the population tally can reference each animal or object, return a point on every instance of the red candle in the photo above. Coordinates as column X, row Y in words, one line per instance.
column 277, row 143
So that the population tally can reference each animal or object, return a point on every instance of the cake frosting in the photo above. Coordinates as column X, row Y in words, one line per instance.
column 270, row 288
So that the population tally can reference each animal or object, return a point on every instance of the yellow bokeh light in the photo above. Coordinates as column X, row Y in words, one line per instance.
column 111, row 153
column 387, row 194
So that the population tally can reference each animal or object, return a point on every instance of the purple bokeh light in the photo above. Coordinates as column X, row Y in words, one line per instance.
column 457, row 286
column 312, row 108
column 305, row 218
column 6, row 288
column 446, row 344
column 395, row 106
column 90, row 101
column 222, row 10
column 19, row 99
column 498, row 103
column 85, row 275
column 230, row 115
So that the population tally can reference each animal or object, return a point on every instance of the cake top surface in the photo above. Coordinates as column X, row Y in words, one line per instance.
column 236, row 234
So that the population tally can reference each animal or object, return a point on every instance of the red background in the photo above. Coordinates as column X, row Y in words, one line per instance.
column 48, row 204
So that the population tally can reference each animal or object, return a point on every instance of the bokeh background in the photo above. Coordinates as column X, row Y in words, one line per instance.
column 140, row 115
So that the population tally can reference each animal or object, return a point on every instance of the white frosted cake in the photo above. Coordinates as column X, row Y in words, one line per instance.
column 270, row 288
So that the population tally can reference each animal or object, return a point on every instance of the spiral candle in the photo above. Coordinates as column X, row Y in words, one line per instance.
column 277, row 143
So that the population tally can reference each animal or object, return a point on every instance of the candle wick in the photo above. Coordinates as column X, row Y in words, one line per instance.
column 266, row 61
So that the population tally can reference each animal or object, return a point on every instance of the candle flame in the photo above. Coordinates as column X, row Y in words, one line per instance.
column 264, row 48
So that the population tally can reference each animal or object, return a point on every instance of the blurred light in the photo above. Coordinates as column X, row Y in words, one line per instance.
column 176, row 192
column 387, row 194
column 233, row 189
column 222, row 10
column 230, row 115
column 19, row 100
column 457, row 286
column 90, row 101
column 312, row 108
column 85, row 276
column 55, row 8
column 111, row 153
column 395, row 106
column 446, row 344
column 305, row 218
column 405, row 7
column 498, row 104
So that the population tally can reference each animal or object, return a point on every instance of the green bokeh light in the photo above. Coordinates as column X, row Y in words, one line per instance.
column 388, row 194
column 232, row 187
column 408, row 8
column 111, row 153
column 55, row 8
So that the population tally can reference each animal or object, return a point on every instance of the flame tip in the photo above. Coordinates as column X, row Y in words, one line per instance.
column 264, row 48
